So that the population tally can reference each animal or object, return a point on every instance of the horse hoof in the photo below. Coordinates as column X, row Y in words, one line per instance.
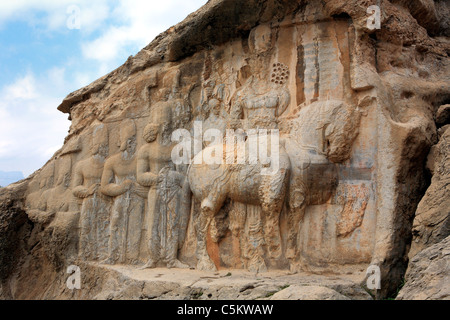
column 294, row 268
column 290, row 253
column 275, row 255
column 206, row 265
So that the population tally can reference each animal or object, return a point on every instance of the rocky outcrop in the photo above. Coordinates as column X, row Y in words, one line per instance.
column 432, row 221
column 428, row 276
column 101, row 282
column 145, row 178
column 308, row 293
column 14, row 224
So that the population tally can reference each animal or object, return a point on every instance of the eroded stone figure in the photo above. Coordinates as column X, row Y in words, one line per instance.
column 119, row 181
column 217, row 118
column 94, row 216
column 36, row 201
column 169, row 196
column 260, row 103
column 255, row 108
column 322, row 135
column 316, row 142
column 58, row 208
column 59, row 198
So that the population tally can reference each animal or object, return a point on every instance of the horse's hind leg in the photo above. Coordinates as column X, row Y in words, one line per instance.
column 209, row 207
column 272, row 230
column 295, row 216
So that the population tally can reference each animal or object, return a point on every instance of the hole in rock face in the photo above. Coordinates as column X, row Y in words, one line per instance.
column 341, row 16
column 407, row 95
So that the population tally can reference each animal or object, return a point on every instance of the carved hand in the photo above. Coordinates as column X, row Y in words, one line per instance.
column 81, row 192
column 93, row 189
column 127, row 185
column 140, row 190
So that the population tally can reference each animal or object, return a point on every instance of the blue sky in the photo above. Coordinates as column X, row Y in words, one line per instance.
column 50, row 48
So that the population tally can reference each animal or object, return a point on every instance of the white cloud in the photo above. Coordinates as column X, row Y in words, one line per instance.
column 30, row 125
column 31, row 128
column 136, row 24
column 23, row 89
column 92, row 13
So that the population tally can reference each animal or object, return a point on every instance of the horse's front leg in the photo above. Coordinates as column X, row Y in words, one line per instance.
column 292, row 250
column 296, row 212
column 209, row 207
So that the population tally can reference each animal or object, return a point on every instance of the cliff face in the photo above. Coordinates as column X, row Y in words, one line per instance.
column 144, row 177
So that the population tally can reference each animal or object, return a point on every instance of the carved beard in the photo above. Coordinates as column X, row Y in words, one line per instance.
column 151, row 135
column 151, row 138
column 127, row 146
column 100, row 150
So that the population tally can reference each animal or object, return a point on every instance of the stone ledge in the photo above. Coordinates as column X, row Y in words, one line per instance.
column 105, row 282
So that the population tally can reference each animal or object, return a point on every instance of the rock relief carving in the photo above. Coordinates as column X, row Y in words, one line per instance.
column 119, row 182
column 169, row 195
column 212, row 185
column 94, row 215
column 322, row 135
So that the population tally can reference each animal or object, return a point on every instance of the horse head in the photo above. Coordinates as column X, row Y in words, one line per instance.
column 340, row 128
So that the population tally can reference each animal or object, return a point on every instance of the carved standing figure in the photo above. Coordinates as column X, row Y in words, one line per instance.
column 119, row 182
column 169, row 196
column 94, row 218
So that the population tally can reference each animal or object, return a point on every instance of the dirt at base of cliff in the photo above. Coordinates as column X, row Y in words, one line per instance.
column 105, row 282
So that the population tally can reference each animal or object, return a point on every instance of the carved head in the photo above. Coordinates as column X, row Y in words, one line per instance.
column 151, row 132
column 214, row 106
column 171, row 84
column 100, row 140
column 164, row 94
column 63, row 170
column 341, row 128
column 208, row 90
column 260, row 39
column 128, row 136
column 162, row 119
column 46, row 176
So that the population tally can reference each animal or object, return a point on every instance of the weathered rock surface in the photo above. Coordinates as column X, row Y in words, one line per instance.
column 356, row 110
column 428, row 276
column 432, row 221
column 308, row 293
column 443, row 115
column 103, row 282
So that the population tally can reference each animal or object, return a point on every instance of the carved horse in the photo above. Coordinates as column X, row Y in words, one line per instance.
column 321, row 132
column 321, row 136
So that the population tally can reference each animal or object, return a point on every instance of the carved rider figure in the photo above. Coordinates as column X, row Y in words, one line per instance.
column 261, row 104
